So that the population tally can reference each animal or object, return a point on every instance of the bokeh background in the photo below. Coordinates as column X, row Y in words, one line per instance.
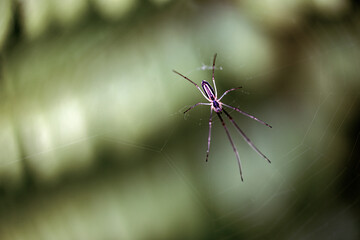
column 94, row 143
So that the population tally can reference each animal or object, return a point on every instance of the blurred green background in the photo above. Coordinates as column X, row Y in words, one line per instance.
column 94, row 143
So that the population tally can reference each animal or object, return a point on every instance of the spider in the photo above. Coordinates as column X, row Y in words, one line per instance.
column 218, row 107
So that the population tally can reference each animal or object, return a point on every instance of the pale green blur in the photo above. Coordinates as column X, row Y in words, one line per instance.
column 94, row 144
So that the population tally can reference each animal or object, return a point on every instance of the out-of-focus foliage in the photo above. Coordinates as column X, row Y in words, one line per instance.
column 5, row 21
column 94, row 145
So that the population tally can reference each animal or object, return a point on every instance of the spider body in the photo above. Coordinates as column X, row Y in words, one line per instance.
column 210, row 94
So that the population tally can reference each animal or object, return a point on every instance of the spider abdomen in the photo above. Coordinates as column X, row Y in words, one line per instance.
column 209, row 91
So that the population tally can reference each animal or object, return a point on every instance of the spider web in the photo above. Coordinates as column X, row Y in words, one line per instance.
column 309, row 191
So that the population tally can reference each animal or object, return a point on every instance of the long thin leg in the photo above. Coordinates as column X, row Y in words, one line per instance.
column 248, row 115
column 192, row 83
column 196, row 105
column 232, row 144
column 245, row 137
column 213, row 74
column 227, row 91
column 209, row 137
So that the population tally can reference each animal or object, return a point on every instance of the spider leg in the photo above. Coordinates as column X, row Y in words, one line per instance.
column 213, row 74
column 227, row 91
column 248, row 115
column 192, row 83
column 245, row 137
column 195, row 106
column 209, row 137
column 232, row 144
